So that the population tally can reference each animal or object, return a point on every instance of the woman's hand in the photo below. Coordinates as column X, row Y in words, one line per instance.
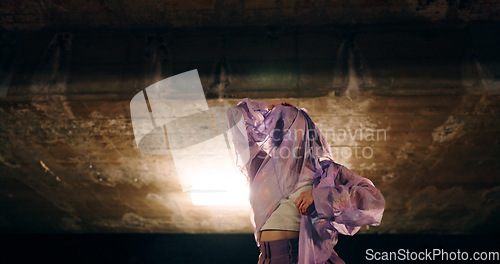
column 304, row 200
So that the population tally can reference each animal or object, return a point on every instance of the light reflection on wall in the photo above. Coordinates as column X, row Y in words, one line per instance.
column 209, row 169
column 228, row 193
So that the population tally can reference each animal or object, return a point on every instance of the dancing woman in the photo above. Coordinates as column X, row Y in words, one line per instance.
column 300, row 198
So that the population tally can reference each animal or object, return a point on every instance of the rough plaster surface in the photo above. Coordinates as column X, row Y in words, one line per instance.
column 69, row 162
column 55, row 14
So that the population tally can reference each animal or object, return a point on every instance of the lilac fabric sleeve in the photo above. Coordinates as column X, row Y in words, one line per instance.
column 246, row 129
column 343, row 201
column 346, row 199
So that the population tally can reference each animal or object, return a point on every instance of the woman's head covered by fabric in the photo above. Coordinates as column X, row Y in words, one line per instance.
column 277, row 141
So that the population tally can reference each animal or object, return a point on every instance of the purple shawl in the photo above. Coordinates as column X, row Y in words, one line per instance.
column 278, row 149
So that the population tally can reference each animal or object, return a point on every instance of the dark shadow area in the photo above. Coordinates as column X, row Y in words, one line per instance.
column 208, row 248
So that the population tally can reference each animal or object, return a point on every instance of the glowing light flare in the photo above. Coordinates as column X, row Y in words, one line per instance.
column 207, row 170
column 232, row 190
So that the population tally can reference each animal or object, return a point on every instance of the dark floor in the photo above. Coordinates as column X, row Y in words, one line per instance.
column 176, row 248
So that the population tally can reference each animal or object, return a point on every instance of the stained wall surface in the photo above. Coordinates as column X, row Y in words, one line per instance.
column 411, row 103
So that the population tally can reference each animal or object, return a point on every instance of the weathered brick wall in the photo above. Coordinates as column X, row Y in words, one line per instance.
column 69, row 161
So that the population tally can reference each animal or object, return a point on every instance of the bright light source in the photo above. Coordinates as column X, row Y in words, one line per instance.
column 227, row 187
column 222, row 184
column 222, row 198
column 207, row 170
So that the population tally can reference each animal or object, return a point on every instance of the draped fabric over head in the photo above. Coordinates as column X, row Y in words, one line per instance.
column 279, row 149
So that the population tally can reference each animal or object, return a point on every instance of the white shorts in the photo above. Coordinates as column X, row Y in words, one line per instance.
column 286, row 216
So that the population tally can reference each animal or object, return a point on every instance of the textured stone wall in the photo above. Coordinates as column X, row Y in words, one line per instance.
column 414, row 109
column 98, row 14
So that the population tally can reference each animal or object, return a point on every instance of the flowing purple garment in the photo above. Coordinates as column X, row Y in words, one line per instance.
column 282, row 148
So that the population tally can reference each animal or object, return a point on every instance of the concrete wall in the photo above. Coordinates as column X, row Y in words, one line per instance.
column 69, row 162
column 98, row 14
